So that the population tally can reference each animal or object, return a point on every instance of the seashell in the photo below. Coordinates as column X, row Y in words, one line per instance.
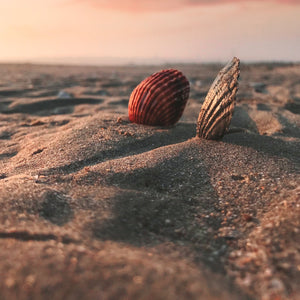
column 216, row 112
column 159, row 99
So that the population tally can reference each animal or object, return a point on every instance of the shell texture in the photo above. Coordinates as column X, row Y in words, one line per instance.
column 159, row 99
column 216, row 112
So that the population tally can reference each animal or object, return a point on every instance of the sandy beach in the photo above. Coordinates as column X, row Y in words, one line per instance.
column 96, row 207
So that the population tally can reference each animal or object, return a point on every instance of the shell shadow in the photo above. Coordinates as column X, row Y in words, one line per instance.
column 289, row 129
column 241, row 119
column 266, row 144
column 164, row 203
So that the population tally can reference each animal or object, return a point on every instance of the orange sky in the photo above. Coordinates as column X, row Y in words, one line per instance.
column 149, row 30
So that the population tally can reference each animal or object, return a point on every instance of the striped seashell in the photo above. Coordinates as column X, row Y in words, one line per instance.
column 159, row 99
column 216, row 112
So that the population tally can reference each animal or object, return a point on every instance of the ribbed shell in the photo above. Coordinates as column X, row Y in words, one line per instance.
column 216, row 112
column 159, row 99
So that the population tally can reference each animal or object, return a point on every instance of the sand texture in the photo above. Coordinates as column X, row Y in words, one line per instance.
column 95, row 207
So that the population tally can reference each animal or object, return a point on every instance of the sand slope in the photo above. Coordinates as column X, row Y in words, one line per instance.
column 94, row 207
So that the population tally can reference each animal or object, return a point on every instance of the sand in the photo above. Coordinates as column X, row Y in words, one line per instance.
column 95, row 207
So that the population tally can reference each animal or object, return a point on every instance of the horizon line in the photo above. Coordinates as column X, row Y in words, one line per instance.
column 127, row 61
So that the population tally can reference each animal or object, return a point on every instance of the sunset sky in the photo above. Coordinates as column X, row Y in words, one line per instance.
column 92, row 31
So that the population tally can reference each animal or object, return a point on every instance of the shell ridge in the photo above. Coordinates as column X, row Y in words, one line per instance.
column 158, row 96
column 216, row 111
column 145, row 88
column 218, row 120
column 157, row 106
column 174, row 96
column 208, row 105
column 140, row 89
column 164, row 110
column 220, row 105
column 155, row 88
column 130, row 103
column 217, row 105
column 169, row 113
column 159, row 99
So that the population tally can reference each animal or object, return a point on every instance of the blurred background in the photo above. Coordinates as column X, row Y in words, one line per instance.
column 148, row 31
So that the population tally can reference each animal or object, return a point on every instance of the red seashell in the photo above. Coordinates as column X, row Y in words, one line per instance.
column 159, row 99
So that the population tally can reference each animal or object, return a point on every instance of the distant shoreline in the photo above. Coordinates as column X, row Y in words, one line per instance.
column 137, row 63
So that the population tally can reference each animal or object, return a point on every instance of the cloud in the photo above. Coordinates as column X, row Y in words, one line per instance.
column 165, row 5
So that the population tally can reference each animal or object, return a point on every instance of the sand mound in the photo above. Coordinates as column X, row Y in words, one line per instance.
column 95, row 207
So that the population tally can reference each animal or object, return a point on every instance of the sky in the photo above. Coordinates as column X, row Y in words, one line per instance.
column 149, row 31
